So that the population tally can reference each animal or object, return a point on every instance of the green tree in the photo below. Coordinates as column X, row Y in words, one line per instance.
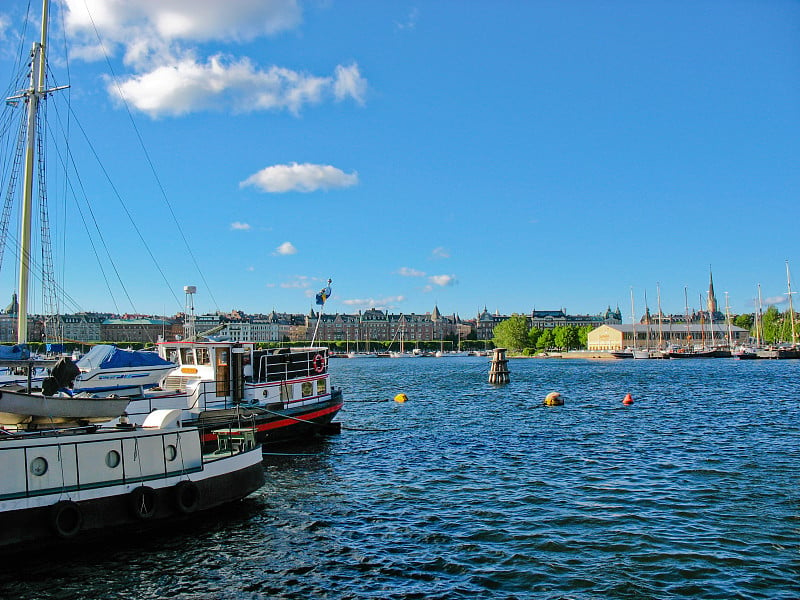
column 771, row 324
column 533, row 336
column 511, row 333
column 571, row 338
column 546, row 340
column 583, row 336
column 744, row 321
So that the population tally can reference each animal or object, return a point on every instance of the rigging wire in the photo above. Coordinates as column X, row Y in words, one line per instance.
column 148, row 159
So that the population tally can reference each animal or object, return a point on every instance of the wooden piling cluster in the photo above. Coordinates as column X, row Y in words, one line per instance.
column 498, row 370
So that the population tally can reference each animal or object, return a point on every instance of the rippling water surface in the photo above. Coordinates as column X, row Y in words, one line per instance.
column 474, row 491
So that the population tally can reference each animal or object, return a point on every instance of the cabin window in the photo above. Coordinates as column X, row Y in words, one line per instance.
column 308, row 389
column 112, row 459
column 286, row 392
column 187, row 358
column 39, row 466
column 170, row 452
column 322, row 386
column 203, row 356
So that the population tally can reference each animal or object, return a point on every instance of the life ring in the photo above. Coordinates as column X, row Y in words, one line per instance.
column 66, row 519
column 143, row 501
column 319, row 363
column 187, row 497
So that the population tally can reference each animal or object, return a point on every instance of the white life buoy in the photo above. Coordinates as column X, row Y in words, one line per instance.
column 319, row 363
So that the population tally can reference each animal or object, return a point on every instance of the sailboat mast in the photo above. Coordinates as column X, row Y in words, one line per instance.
column 633, row 321
column 791, row 306
column 759, row 322
column 32, row 96
column 660, row 328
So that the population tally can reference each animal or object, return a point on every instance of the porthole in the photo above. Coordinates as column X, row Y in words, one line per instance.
column 112, row 459
column 39, row 466
column 170, row 452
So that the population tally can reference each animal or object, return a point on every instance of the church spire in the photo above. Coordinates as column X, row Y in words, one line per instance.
column 712, row 300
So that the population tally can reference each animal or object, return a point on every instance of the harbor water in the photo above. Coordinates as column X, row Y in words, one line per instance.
column 469, row 490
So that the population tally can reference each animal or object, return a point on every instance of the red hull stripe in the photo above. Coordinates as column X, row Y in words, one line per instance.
column 287, row 422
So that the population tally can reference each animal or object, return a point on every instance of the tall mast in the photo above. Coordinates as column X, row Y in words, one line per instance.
column 728, row 321
column 759, row 322
column 32, row 97
column 686, row 318
column 791, row 306
column 633, row 320
column 660, row 330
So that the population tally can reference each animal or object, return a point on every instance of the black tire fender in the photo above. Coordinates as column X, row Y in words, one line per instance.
column 66, row 519
column 143, row 502
column 187, row 496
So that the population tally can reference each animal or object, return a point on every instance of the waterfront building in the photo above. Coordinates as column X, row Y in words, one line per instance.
column 618, row 337
column 549, row 319
column 485, row 323
column 141, row 330
column 82, row 327
column 375, row 325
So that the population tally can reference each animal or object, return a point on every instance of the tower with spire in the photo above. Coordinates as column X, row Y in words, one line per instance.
column 711, row 304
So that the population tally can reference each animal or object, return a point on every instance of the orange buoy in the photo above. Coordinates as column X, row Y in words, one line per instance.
column 628, row 400
column 553, row 399
column 400, row 398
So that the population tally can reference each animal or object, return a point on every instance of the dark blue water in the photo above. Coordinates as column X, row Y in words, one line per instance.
column 474, row 491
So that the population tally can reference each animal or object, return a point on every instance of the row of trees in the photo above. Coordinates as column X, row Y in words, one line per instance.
column 514, row 334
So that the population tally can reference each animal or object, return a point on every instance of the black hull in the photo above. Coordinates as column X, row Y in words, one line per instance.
column 709, row 354
column 40, row 526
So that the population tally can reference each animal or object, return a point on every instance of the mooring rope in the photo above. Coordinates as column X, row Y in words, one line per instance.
column 279, row 414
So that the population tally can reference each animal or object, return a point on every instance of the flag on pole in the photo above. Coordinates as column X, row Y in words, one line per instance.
column 324, row 294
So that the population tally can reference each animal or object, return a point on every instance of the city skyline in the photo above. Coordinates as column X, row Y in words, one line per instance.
column 533, row 155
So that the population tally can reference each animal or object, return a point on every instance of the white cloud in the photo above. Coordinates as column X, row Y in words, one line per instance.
column 298, row 282
column 300, row 178
column 145, row 26
column 285, row 249
column 236, row 225
column 440, row 252
column 409, row 272
column 442, row 280
column 776, row 300
column 380, row 303
column 188, row 85
column 410, row 21
column 160, row 44
column 349, row 84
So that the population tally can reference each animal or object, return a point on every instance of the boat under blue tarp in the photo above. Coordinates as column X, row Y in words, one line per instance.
column 105, row 356
column 15, row 352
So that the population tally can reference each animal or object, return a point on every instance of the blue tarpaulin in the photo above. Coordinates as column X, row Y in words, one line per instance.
column 110, row 357
column 16, row 352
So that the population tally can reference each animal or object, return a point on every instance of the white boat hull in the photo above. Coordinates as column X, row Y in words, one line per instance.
column 18, row 407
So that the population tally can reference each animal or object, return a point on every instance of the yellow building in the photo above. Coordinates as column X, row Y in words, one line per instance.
column 618, row 337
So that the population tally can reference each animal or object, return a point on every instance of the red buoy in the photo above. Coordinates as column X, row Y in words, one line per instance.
column 628, row 400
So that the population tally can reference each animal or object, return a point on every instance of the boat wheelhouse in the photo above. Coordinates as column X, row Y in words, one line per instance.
column 285, row 392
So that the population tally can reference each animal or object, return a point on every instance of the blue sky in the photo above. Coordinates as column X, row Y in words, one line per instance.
column 513, row 155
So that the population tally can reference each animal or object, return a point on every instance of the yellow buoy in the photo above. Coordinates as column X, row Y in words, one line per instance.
column 400, row 398
column 553, row 399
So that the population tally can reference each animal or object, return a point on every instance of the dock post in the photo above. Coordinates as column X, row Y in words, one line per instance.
column 498, row 371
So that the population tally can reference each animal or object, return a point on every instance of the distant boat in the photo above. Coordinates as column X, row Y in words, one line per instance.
column 689, row 353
